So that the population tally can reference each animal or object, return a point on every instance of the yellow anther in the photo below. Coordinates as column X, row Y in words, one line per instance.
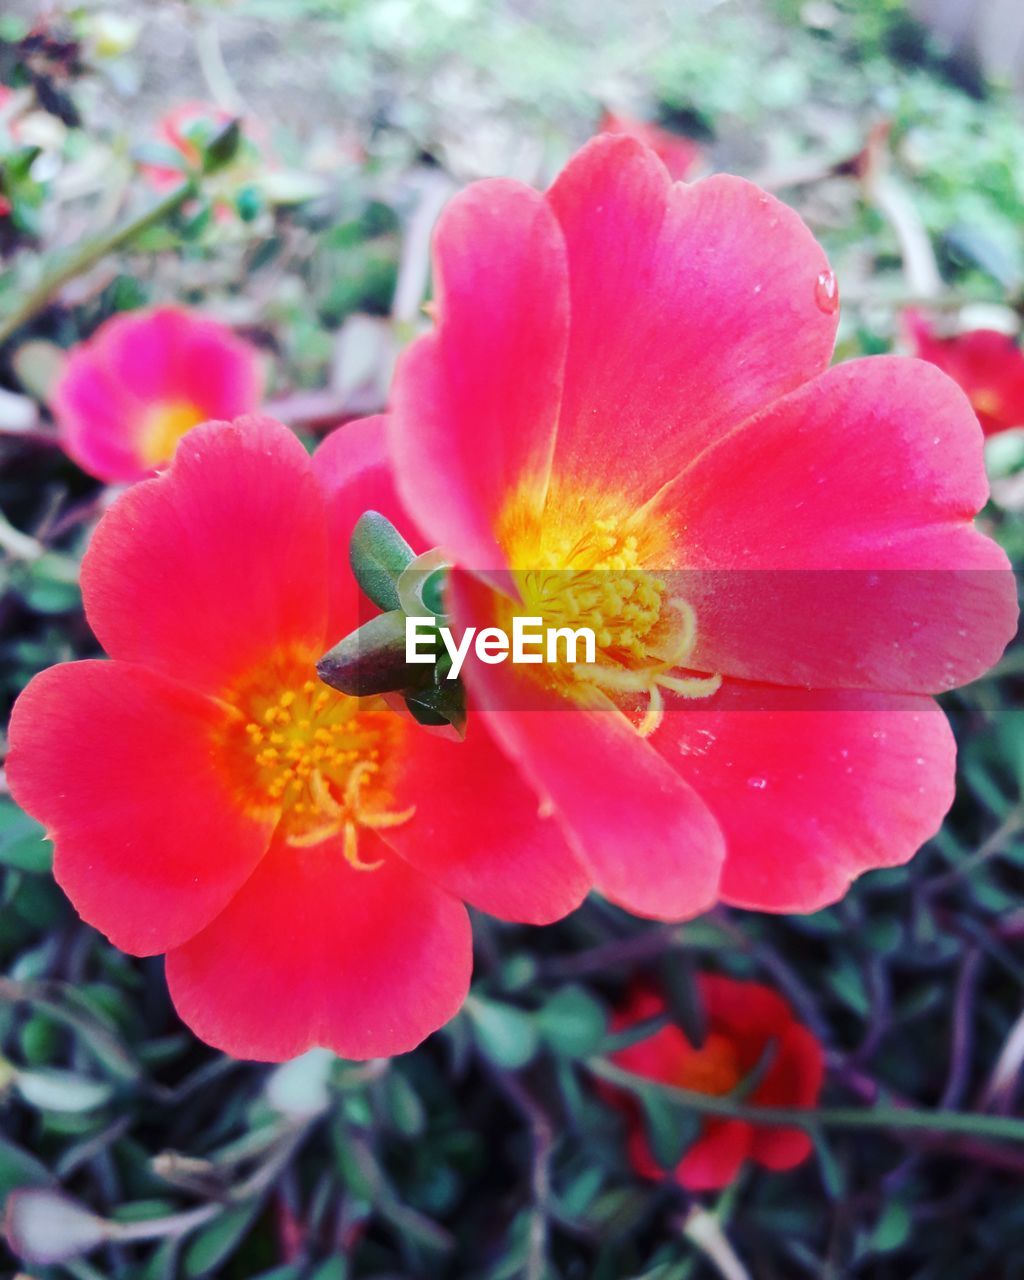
column 316, row 759
column 582, row 560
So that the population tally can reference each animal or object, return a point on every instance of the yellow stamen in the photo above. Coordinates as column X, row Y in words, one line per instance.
column 163, row 428
column 318, row 763
column 582, row 561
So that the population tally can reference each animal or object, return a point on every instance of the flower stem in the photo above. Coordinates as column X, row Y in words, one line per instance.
column 88, row 254
column 974, row 1124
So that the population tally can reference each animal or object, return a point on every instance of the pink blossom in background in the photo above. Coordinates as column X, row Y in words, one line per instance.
column 128, row 394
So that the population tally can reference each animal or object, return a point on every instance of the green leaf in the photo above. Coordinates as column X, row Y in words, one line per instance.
column 378, row 555
column 440, row 705
column 832, row 1175
column 572, row 1022
column 20, row 1168
column 23, row 842
column 216, row 1243
column 56, row 1090
column 332, row 1269
column 301, row 1087
column 32, row 853
column 50, row 584
column 679, row 983
column 222, row 147
column 404, row 1106
column 505, row 1034
column 892, row 1230
column 671, row 1129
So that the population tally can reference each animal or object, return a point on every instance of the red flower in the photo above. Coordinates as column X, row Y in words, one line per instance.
column 295, row 851
column 127, row 395
column 680, row 155
column 750, row 1028
column 987, row 364
column 626, row 416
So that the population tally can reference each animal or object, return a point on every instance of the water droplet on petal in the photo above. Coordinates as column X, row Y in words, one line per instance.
column 758, row 784
column 826, row 292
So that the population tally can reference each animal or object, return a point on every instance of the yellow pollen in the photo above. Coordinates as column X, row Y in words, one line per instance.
column 583, row 561
column 986, row 401
column 319, row 762
column 164, row 426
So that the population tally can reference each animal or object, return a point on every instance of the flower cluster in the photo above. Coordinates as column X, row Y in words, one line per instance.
column 625, row 416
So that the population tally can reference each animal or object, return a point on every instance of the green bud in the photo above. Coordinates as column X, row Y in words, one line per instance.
column 249, row 203
column 378, row 554
column 372, row 660
column 441, row 704
column 422, row 583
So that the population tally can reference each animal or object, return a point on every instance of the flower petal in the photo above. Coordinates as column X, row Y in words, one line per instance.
column 355, row 474
column 692, row 307
column 476, row 402
column 312, row 951
column 115, row 762
column 646, row 838
column 91, row 408
column 812, row 788
column 204, row 571
column 478, row 831
column 793, row 1079
column 717, row 1156
column 827, row 541
column 220, row 373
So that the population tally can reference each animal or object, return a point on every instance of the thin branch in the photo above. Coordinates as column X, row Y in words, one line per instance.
column 972, row 1124
column 90, row 253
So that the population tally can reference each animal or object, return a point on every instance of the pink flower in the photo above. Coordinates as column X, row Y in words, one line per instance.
column 299, row 854
column 987, row 364
column 626, row 418
column 128, row 394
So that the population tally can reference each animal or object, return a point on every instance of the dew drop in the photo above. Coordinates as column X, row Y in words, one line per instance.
column 826, row 292
column 758, row 784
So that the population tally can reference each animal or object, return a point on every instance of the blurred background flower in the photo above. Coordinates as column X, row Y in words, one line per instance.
column 752, row 1048
column 126, row 396
column 987, row 364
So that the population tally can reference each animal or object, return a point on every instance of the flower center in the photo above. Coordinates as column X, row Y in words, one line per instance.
column 163, row 427
column 584, row 561
column 986, row 402
column 319, row 761
column 713, row 1068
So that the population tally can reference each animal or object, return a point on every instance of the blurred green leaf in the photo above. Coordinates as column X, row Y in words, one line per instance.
column 505, row 1034
column 214, row 1244
column 55, row 1090
column 572, row 1022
